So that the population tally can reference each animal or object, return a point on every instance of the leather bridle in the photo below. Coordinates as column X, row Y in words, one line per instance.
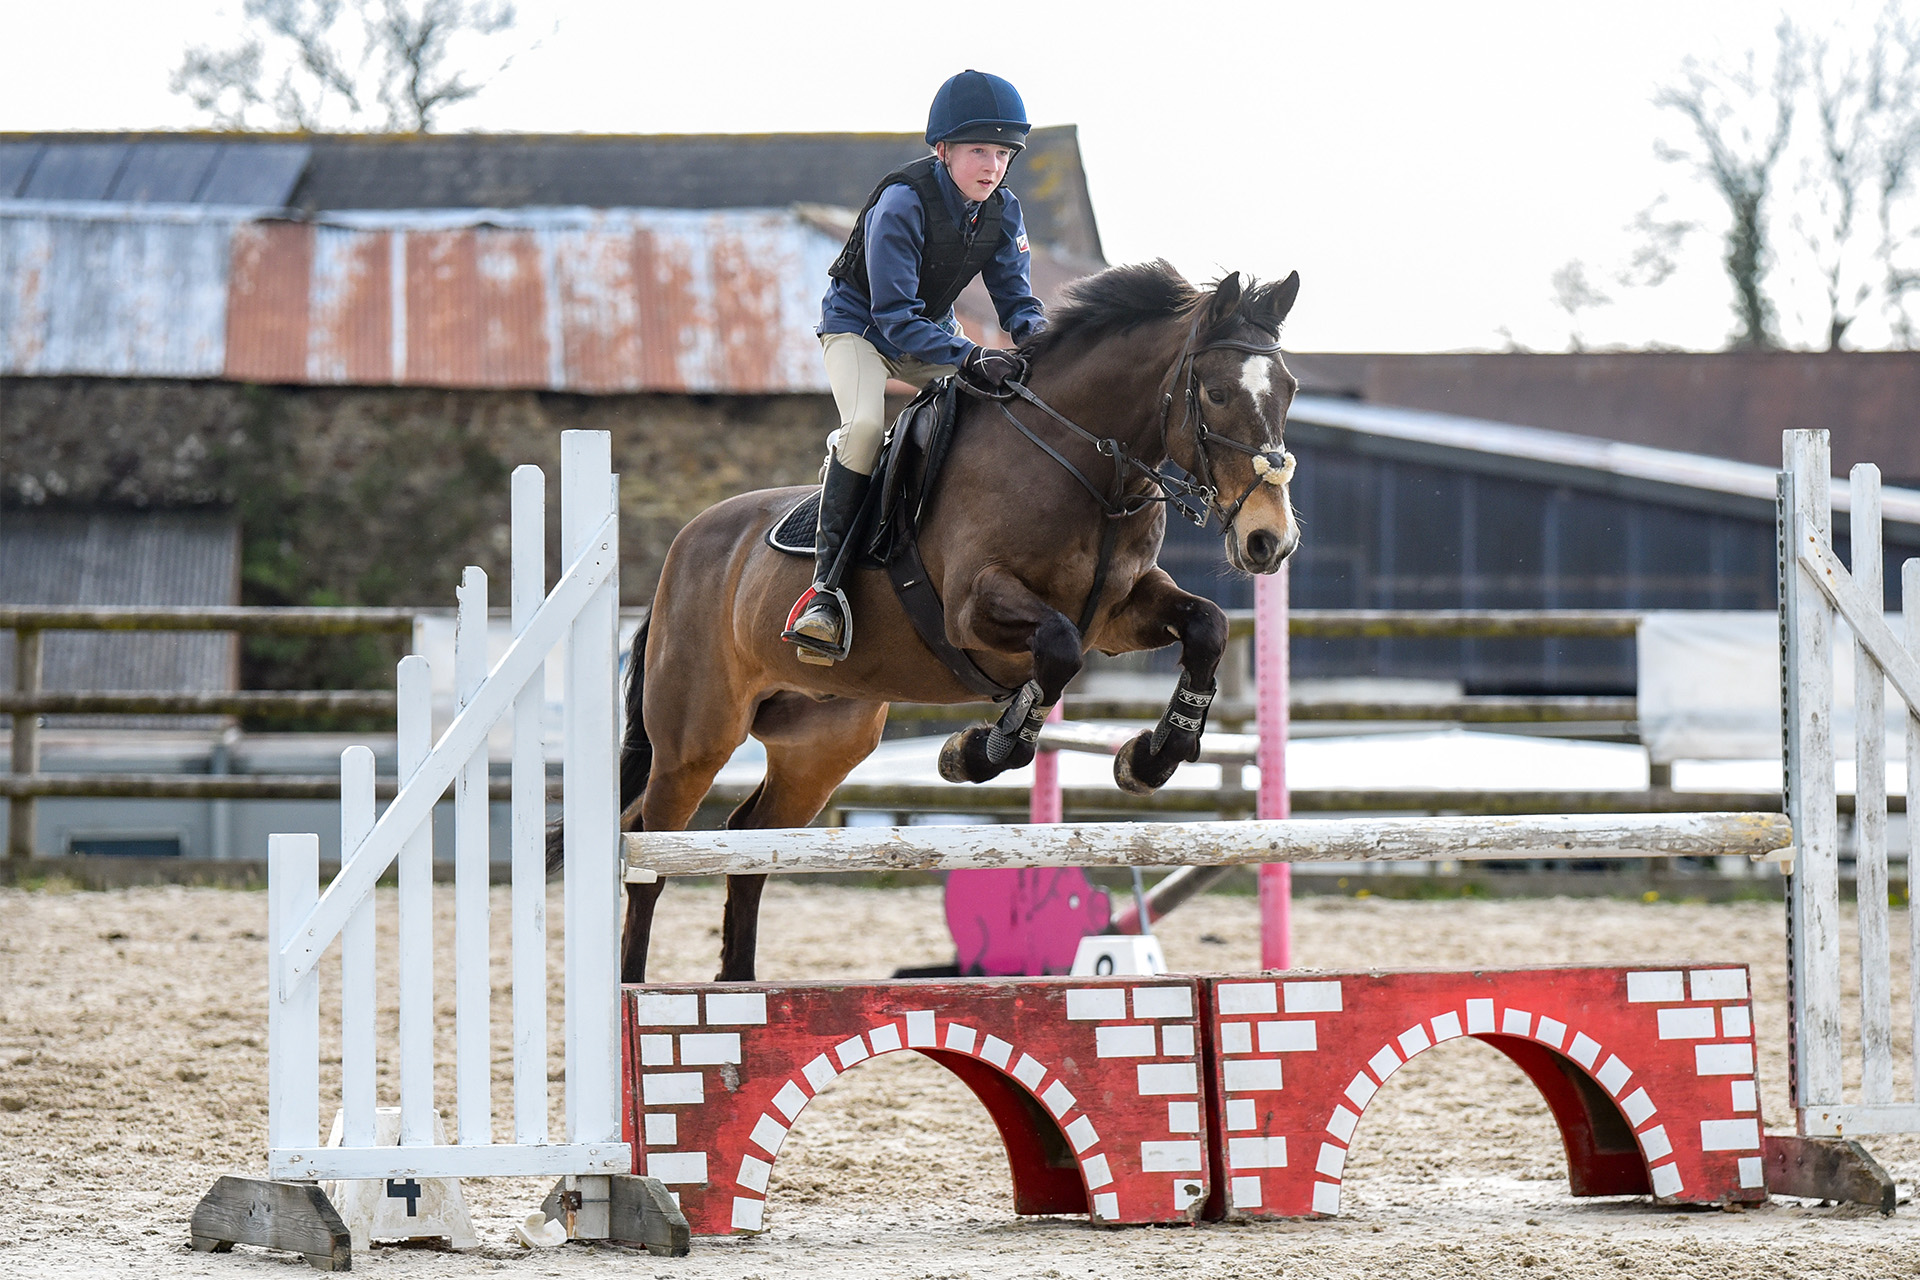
column 1116, row 503
column 1276, row 456
column 1176, row 492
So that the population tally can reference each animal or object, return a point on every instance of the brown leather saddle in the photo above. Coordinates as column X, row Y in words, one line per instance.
column 887, row 531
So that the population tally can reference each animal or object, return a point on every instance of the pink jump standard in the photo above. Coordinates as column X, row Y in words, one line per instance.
column 1271, row 684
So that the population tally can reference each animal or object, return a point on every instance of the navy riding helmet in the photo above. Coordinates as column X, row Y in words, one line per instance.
column 976, row 107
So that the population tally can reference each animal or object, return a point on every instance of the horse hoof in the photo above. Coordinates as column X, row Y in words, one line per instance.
column 955, row 755
column 963, row 758
column 1136, row 769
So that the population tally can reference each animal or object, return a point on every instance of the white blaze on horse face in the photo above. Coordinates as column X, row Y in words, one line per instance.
column 1256, row 375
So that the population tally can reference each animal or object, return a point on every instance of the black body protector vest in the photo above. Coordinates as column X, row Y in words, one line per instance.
column 948, row 261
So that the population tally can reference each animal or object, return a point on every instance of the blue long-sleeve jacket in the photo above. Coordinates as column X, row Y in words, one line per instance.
column 892, row 317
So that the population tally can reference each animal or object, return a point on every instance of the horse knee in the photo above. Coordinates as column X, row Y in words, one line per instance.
column 1203, row 641
column 1056, row 656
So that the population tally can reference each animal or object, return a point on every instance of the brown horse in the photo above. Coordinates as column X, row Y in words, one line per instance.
column 1012, row 541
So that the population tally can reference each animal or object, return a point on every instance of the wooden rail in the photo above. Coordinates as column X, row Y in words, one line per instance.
column 309, row 702
column 1140, row 844
column 246, row 619
column 1448, row 624
column 28, row 701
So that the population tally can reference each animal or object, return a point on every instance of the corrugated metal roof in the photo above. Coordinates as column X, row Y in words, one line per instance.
column 576, row 300
column 1560, row 456
column 664, row 300
column 315, row 172
column 114, row 557
column 122, row 295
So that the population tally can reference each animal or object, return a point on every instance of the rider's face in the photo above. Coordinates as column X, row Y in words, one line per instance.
column 975, row 167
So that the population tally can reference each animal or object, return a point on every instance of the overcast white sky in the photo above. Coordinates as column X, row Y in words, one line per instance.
column 1425, row 167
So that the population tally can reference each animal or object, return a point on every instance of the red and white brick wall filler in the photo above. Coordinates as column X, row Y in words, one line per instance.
column 1155, row 1100
column 719, row 1074
column 1650, row 1074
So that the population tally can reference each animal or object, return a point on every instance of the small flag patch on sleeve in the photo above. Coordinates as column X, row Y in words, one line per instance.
column 1021, row 242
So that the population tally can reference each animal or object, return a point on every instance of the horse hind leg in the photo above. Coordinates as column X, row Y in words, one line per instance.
column 1002, row 609
column 811, row 747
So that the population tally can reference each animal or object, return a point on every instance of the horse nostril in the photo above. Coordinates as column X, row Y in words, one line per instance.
column 1261, row 546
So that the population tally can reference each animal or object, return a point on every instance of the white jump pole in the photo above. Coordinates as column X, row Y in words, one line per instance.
column 1270, row 675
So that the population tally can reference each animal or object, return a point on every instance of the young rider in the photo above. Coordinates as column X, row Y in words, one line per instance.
column 926, row 231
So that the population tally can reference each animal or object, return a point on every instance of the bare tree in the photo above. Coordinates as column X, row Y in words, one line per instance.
column 324, row 63
column 1742, row 118
column 1574, row 293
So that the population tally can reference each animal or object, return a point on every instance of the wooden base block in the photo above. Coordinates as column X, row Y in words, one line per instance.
column 295, row 1216
column 1826, row 1169
column 639, row 1212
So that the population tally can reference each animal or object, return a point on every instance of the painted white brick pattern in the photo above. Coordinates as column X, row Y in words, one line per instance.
column 1718, row 984
column 1247, row 1075
column 1257, row 1153
column 1653, row 988
column 1723, row 1059
column 1289, row 1037
column 657, row 1009
column 1170, row 1157
column 1096, row 1004
column 1246, row 997
column 737, row 1008
column 1312, row 997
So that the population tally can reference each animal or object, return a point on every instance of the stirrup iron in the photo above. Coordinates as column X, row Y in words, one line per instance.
column 813, row 650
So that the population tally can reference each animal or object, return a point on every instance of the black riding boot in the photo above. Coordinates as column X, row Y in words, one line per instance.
column 822, row 630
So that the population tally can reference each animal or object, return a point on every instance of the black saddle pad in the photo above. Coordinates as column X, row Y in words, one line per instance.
column 794, row 533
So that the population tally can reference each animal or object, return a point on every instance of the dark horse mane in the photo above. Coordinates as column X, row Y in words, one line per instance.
column 1123, row 298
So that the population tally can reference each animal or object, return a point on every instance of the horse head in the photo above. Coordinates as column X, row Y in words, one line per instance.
column 1228, row 402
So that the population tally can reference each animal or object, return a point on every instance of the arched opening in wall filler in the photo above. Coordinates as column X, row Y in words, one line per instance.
column 1045, row 1175
column 1603, row 1158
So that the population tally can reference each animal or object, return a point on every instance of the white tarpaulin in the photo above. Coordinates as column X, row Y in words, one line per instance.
column 1710, row 687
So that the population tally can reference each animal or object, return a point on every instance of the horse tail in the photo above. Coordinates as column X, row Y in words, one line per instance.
column 636, row 750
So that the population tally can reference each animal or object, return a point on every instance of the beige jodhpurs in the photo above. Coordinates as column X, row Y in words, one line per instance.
column 858, row 374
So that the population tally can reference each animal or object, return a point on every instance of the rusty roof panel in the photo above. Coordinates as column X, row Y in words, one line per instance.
column 268, row 302
column 349, row 324
column 113, row 295
column 634, row 300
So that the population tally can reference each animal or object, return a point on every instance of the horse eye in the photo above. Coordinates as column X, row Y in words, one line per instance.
column 1218, row 397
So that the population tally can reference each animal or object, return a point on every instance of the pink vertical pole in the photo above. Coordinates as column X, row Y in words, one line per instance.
column 1270, row 684
column 1045, row 804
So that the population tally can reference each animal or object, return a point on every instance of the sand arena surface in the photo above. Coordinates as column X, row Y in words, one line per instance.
column 132, row 1073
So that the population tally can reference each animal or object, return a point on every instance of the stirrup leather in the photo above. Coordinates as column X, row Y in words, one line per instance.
column 815, row 649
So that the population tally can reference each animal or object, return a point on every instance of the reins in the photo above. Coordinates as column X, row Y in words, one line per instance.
column 1116, row 503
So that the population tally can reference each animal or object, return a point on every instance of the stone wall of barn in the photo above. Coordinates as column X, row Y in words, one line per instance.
column 380, row 496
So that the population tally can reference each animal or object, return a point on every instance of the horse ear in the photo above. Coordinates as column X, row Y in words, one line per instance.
column 1226, row 300
column 1274, row 301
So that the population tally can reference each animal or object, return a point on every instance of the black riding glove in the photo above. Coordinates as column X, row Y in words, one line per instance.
column 989, row 369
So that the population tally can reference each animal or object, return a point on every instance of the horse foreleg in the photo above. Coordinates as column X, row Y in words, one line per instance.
column 811, row 747
column 1156, row 609
column 1002, row 614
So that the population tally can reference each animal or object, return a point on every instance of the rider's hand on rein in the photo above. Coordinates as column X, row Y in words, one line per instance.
column 987, row 370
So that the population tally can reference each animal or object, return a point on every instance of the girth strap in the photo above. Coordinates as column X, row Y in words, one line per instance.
column 922, row 604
